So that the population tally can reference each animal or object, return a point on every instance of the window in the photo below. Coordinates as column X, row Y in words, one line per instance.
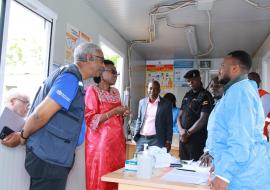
column 27, row 46
column 2, row 17
column 111, row 53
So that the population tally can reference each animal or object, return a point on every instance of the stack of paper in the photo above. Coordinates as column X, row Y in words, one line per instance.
column 186, row 177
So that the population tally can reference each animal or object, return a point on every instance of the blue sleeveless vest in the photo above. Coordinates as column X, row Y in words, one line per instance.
column 56, row 142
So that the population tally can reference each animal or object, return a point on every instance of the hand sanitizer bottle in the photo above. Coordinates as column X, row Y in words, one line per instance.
column 146, row 163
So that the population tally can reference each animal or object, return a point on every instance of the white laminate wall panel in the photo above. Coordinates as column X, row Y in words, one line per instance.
column 76, row 178
column 13, row 175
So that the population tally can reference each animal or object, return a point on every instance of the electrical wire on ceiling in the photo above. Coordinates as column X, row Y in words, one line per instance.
column 211, row 43
column 169, row 24
column 156, row 11
column 171, row 7
column 183, row 26
column 257, row 5
column 160, row 10
column 163, row 11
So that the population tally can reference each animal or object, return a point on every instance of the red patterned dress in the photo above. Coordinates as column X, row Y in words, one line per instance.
column 104, row 142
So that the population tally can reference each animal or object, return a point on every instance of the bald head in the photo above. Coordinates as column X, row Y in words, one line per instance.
column 256, row 77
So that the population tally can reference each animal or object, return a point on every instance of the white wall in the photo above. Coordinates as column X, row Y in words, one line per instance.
column 261, row 63
column 79, row 14
column 262, row 51
column 216, row 62
column 180, row 92
column 138, row 67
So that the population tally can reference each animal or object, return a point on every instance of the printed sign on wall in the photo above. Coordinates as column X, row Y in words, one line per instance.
column 180, row 68
column 73, row 38
column 161, row 71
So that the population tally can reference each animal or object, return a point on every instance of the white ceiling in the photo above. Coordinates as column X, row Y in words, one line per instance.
column 235, row 25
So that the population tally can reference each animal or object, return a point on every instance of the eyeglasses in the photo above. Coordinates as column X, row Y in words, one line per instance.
column 89, row 57
column 101, row 58
column 26, row 102
column 114, row 72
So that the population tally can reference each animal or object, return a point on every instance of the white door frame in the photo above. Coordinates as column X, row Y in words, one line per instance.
column 266, row 71
column 110, row 45
column 4, row 47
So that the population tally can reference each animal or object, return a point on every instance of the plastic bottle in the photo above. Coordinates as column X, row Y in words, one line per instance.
column 126, row 97
column 146, row 163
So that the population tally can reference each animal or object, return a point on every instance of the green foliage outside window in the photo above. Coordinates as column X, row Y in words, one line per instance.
column 113, row 58
column 22, row 51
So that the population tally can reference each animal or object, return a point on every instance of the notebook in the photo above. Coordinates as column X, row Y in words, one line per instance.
column 11, row 120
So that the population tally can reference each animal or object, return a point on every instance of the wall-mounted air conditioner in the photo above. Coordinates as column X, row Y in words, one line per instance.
column 191, row 40
column 205, row 64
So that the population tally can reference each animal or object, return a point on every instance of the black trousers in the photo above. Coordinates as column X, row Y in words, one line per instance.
column 45, row 176
column 193, row 149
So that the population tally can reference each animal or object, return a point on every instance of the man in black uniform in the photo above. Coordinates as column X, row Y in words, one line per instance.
column 196, row 107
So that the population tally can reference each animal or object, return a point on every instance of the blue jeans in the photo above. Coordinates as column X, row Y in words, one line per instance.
column 151, row 141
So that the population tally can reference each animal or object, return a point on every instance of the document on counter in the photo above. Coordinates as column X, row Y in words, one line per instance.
column 195, row 166
column 11, row 120
column 186, row 176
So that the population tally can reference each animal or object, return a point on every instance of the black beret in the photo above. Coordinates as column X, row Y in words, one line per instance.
column 192, row 74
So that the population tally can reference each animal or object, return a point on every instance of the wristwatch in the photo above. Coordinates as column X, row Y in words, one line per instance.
column 25, row 138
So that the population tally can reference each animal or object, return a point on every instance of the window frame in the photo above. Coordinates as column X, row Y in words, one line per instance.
column 37, row 8
column 104, row 41
column 2, row 21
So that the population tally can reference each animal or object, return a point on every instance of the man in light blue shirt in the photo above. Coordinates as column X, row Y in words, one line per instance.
column 240, row 153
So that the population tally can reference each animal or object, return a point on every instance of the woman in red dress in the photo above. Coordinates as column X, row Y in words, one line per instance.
column 105, row 141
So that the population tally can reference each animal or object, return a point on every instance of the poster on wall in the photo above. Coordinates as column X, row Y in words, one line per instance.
column 73, row 38
column 161, row 71
column 180, row 68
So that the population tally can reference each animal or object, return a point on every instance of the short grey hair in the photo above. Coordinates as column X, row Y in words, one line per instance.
column 81, row 51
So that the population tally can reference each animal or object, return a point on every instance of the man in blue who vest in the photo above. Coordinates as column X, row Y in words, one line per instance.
column 53, row 127
column 235, row 140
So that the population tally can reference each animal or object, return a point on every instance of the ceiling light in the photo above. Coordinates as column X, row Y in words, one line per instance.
column 191, row 39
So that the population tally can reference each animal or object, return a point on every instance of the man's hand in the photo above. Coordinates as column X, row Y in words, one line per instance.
column 218, row 184
column 206, row 159
column 168, row 146
column 13, row 140
column 184, row 137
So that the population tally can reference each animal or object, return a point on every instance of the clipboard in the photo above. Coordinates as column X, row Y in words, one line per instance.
column 11, row 120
